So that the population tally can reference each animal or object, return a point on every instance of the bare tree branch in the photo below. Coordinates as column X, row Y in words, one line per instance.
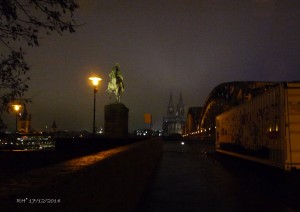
column 24, row 21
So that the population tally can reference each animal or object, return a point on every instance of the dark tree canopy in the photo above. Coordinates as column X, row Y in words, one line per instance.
column 22, row 23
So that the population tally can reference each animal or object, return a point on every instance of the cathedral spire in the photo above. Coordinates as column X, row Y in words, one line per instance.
column 171, row 108
column 180, row 106
column 54, row 127
column 24, row 122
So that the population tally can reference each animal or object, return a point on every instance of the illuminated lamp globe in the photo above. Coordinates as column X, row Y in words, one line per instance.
column 95, row 80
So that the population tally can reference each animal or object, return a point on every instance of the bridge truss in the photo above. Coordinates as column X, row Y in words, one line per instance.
column 225, row 96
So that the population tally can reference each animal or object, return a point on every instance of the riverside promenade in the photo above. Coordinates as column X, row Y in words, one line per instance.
column 152, row 175
column 110, row 180
column 192, row 178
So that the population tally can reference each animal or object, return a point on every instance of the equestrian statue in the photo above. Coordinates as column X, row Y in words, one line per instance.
column 116, row 84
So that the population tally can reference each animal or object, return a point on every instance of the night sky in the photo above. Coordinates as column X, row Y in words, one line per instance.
column 187, row 46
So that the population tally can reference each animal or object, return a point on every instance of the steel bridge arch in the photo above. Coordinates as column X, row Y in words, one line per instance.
column 225, row 96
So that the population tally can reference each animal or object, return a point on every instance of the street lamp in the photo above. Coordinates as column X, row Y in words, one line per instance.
column 17, row 108
column 95, row 82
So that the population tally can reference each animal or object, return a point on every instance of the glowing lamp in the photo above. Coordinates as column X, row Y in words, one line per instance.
column 95, row 80
column 16, row 107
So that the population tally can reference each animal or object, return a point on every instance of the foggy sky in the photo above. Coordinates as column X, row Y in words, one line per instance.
column 162, row 46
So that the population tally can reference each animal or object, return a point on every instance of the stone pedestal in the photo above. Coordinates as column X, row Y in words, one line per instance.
column 116, row 120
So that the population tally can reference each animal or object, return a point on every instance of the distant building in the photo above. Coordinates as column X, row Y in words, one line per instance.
column 192, row 118
column 54, row 127
column 174, row 122
column 24, row 122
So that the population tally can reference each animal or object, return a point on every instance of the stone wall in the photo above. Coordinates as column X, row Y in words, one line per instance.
column 112, row 180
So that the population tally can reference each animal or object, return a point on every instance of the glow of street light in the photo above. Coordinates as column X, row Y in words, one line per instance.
column 95, row 80
column 17, row 107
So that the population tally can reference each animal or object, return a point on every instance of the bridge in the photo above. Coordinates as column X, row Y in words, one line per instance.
column 222, row 98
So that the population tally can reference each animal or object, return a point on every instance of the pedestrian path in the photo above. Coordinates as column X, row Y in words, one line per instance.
column 189, row 179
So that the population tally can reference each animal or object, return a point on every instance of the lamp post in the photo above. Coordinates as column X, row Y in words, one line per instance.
column 95, row 82
column 17, row 108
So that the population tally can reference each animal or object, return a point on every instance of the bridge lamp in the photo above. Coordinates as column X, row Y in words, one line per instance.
column 95, row 82
column 17, row 108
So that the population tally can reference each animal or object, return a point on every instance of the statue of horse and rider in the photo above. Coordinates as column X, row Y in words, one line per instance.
column 116, row 84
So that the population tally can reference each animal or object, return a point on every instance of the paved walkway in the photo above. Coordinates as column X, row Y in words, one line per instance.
column 111, row 180
column 189, row 179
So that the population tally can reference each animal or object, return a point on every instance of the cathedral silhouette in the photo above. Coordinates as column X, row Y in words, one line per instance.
column 174, row 122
